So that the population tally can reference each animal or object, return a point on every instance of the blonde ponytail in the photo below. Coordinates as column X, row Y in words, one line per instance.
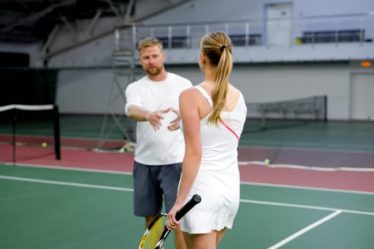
column 217, row 47
column 219, row 93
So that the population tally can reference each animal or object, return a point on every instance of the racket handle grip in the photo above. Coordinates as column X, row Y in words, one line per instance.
column 188, row 206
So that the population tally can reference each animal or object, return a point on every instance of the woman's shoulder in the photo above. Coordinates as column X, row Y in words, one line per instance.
column 190, row 92
column 234, row 92
column 193, row 95
column 234, row 89
column 235, row 100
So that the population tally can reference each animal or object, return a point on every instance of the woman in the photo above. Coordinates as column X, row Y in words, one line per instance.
column 210, row 167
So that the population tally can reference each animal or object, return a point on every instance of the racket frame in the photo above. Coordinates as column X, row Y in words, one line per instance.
column 187, row 207
column 148, row 230
column 196, row 199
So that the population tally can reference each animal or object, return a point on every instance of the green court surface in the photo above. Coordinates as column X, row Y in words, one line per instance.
column 72, row 209
column 354, row 136
column 332, row 135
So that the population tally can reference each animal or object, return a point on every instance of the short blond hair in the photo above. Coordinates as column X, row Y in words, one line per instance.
column 149, row 42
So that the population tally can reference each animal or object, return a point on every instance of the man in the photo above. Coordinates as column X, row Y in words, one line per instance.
column 153, row 102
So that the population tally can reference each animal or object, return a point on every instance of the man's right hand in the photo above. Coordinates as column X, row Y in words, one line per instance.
column 154, row 118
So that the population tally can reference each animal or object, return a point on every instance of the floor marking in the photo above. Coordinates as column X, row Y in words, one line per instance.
column 333, row 147
column 70, row 168
column 307, row 188
column 74, row 184
column 281, row 204
column 294, row 166
column 242, row 182
column 306, row 229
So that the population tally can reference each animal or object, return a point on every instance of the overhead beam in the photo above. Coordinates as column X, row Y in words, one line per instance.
column 72, row 28
column 50, row 39
column 114, row 9
column 94, row 21
column 130, row 6
column 37, row 15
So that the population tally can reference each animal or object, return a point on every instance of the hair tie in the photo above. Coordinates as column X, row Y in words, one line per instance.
column 223, row 47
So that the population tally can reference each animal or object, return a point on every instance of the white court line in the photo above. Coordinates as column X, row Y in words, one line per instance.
column 303, row 167
column 73, row 184
column 311, row 146
column 26, row 107
column 307, row 188
column 305, row 229
column 242, row 182
column 67, row 168
column 281, row 204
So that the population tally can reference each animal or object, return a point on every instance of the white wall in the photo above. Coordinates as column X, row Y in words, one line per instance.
column 266, row 83
column 91, row 91
column 84, row 91
column 272, row 83
column 306, row 8
column 95, row 53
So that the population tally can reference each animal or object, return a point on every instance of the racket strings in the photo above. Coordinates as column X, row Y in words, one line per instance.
column 151, row 237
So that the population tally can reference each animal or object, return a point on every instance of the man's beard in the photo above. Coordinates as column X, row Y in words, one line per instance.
column 154, row 71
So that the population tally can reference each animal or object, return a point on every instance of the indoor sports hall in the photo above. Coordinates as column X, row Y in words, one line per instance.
column 306, row 154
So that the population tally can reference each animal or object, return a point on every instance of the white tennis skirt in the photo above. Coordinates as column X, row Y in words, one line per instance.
column 220, row 196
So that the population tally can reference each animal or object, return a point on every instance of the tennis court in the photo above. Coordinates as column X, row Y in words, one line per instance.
column 49, row 207
column 306, row 154
column 316, row 192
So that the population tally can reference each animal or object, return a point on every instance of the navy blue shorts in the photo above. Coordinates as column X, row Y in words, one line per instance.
column 153, row 185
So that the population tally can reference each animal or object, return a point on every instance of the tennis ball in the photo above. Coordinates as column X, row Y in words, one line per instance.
column 267, row 161
column 44, row 145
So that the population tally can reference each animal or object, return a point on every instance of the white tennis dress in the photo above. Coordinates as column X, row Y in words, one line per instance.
column 218, row 181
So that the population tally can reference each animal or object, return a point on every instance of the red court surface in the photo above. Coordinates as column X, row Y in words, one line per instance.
column 347, row 179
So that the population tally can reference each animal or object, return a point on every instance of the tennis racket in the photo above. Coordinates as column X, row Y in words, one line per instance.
column 157, row 232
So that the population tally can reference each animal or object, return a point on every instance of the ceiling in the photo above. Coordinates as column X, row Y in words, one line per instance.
column 29, row 21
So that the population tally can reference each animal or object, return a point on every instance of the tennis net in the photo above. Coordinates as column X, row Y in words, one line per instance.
column 284, row 114
column 27, row 126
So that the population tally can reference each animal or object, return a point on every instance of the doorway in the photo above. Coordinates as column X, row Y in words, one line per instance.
column 279, row 24
column 362, row 92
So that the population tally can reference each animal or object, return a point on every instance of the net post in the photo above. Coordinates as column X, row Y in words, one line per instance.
column 325, row 107
column 56, row 127
column 14, row 118
column 263, row 117
column 315, row 108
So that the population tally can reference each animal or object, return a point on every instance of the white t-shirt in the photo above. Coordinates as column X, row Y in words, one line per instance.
column 157, row 147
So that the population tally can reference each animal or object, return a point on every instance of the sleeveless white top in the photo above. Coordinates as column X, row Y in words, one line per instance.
column 218, row 181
